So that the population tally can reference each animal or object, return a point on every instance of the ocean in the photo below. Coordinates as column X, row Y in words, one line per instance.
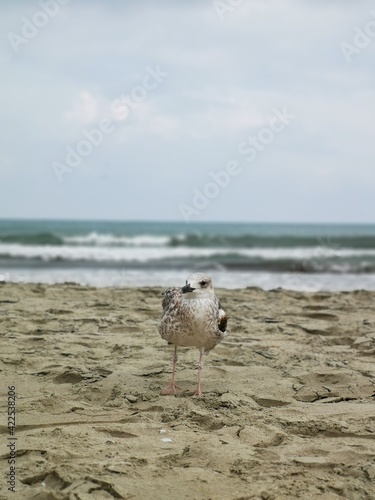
column 306, row 257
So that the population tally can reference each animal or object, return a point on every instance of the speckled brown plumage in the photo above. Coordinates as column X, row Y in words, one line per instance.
column 192, row 317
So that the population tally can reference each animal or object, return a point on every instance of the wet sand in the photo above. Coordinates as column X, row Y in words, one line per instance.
column 288, row 408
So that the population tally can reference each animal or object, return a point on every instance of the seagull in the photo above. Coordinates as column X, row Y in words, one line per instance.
column 192, row 317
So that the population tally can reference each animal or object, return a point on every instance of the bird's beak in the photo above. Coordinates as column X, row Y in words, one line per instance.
column 187, row 288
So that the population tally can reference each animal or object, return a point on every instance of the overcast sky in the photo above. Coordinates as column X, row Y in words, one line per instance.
column 179, row 88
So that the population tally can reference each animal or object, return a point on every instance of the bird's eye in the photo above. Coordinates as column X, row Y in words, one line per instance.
column 203, row 283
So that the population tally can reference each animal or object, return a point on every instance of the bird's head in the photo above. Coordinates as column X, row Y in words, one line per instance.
column 198, row 285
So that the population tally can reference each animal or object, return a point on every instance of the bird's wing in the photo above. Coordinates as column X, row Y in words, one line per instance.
column 222, row 319
column 170, row 296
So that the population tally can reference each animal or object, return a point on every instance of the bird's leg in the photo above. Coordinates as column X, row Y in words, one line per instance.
column 172, row 387
column 198, row 392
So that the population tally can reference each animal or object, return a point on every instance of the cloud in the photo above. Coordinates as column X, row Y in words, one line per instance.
column 224, row 80
column 84, row 109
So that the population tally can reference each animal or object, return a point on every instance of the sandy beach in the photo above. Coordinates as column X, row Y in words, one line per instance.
column 288, row 408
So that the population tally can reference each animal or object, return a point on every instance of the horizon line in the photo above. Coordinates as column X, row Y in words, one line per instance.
column 187, row 223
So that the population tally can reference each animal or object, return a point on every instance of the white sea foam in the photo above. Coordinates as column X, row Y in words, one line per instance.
column 227, row 279
column 145, row 254
column 97, row 239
